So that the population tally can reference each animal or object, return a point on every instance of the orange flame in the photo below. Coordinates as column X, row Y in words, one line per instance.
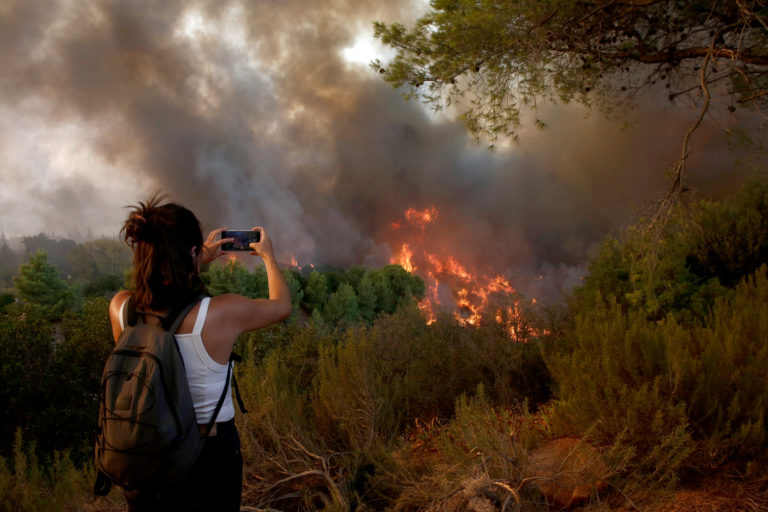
column 471, row 292
column 421, row 217
column 405, row 258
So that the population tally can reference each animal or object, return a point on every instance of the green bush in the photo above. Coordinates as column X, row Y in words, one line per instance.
column 377, row 379
column 343, row 400
column 667, row 355
column 699, row 390
column 26, row 359
column 26, row 485
column 52, row 375
column 704, row 250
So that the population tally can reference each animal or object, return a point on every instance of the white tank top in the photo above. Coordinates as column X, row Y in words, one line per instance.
column 206, row 377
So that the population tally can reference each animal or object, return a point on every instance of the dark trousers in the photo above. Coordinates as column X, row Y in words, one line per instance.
column 214, row 484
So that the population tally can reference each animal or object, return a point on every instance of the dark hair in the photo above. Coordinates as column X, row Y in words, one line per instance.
column 162, row 237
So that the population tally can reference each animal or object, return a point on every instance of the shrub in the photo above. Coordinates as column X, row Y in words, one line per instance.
column 698, row 391
column 26, row 485
column 26, row 358
column 51, row 376
column 704, row 251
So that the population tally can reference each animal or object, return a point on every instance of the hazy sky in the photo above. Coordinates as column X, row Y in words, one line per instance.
column 264, row 112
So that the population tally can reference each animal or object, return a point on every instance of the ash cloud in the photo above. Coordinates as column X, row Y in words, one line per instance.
column 256, row 119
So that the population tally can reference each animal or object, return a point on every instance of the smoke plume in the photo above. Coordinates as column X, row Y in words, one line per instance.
column 248, row 113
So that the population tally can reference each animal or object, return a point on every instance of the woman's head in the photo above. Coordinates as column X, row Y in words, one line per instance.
column 167, row 243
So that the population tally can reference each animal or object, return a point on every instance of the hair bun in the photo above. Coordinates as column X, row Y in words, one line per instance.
column 139, row 229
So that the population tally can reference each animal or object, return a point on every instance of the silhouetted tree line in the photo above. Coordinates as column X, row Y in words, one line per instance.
column 92, row 268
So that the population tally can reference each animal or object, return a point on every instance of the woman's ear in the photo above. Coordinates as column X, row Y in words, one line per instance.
column 196, row 257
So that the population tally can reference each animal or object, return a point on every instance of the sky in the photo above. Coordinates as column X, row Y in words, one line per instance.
column 266, row 113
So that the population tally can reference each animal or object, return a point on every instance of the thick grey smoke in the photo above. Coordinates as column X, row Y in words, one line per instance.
column 252, row 116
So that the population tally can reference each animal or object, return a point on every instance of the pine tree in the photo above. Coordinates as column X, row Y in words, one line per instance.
column 294, row 286
column 316, row 291
column 342, row 307
column 366, row 296
column 9, row 263
column 40, row 283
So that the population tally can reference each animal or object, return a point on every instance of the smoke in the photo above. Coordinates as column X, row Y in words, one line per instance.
column 247, row 113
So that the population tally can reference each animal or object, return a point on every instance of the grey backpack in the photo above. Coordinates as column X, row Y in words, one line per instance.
column 147, row 434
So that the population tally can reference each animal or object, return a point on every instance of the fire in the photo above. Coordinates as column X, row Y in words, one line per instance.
column 421, row 217
column 475, row 295
column 405, row 258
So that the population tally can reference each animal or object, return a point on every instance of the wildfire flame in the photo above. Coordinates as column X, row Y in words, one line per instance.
column 405, row 258
column 474, row 294
column 421, row 217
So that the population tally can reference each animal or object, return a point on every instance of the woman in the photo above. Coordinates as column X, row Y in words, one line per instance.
column 168, row 251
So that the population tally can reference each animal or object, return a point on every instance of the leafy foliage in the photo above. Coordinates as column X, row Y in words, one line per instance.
column 332, row 298
column 707, row 249
column 356, row 392
column 670, row 340
column 40, row 283
column 504, row 56
column 52, row 375
column 26, row 357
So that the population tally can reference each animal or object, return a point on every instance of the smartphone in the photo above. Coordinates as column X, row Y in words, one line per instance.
column 242, row 239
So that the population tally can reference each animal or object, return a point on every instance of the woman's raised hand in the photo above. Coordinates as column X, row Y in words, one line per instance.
column 263, row 247
column 212, row 246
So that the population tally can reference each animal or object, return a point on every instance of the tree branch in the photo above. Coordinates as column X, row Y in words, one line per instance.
column 690, row 53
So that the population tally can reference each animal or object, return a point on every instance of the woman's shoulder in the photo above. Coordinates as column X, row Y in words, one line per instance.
column 117, row 302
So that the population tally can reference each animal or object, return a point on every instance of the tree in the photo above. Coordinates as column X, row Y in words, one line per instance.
column 316, row 291
column 342, row 307
column 366, row 296
column 385, row 297
column 293, row 279
column 97, row 259
column 9, row 262
column 232, row 277
column 40, row 283
column 57, row 250
column 405, row 286
column 506, row 55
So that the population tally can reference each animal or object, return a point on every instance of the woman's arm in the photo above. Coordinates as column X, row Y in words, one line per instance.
column 231, row 314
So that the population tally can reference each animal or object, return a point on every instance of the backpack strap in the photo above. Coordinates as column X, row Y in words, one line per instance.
column 102, row 485
column 236, row 358
column 178, row 317
column 230, row 371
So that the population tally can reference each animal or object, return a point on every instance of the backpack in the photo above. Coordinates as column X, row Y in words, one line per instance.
column 147, row 434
